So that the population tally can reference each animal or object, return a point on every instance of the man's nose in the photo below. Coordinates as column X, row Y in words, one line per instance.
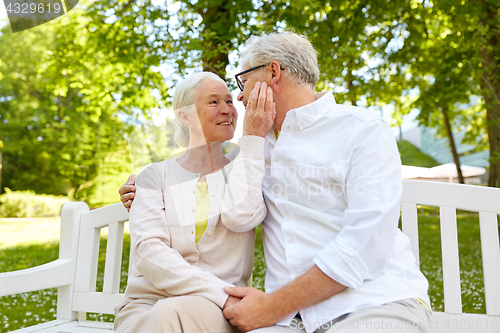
column 240, row 96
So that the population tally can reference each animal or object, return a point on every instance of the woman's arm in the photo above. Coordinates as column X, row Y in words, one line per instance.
column 243, row 207
column 153, row 256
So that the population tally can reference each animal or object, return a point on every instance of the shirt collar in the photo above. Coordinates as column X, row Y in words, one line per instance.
column 307, row 114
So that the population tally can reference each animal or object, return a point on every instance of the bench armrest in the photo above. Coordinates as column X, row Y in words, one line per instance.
column 51, row 275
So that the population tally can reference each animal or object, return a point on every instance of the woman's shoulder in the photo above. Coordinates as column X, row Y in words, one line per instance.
column 153, row 172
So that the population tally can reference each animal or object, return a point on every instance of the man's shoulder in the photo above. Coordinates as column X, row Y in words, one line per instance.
column 355, row 114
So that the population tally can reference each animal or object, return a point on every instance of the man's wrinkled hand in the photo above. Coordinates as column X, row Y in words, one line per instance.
column 255, row 310
column 231, row 300
column 127, row 192
column 260, row 111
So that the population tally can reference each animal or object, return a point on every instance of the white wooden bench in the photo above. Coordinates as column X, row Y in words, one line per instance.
column 75, row 272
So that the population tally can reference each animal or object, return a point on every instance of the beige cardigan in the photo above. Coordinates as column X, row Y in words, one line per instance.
column 167, row 262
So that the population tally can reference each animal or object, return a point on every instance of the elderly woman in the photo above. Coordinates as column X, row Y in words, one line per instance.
column 193, row 219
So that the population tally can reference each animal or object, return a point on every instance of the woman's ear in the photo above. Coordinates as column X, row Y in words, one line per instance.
column 185, row 119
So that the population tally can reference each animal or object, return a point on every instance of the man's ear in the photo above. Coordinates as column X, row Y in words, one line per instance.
column 276, row 73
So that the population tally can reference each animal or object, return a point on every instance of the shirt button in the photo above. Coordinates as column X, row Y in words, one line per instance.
column 287, row 213
column 290, row 240
column 282, row 192
column 302, row 123
column 295, row 277
column 275, row 159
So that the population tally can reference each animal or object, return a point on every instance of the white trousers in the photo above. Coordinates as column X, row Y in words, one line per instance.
column 408, row 316
column 183, row 314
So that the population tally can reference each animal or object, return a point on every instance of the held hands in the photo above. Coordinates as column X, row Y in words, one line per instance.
column 127, row 192
column 255, row 309
column 260, row 111
column 231, row 300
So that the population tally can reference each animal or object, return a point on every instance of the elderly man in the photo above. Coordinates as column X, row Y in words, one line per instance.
column 336, row 260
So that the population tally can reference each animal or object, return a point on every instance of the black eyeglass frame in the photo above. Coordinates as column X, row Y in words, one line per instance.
column 238, row 81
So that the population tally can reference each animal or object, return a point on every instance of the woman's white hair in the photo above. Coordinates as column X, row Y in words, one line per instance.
column 185, row 96
column 293, row 52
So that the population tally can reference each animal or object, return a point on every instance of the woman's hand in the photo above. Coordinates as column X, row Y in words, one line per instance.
column 260, row 111
column 231, row 300
column 127, row 192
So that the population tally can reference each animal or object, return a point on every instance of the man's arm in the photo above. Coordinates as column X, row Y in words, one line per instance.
column 258, row 309
column 127, row 192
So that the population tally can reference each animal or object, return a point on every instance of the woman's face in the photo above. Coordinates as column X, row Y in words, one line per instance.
column 216, row 111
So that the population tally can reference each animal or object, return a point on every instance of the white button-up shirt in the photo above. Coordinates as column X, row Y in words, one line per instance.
column 333, row 187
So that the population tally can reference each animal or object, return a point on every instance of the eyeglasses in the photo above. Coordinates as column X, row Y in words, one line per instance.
column 238, row 81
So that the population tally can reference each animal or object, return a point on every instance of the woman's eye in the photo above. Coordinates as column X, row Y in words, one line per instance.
column 213, row 102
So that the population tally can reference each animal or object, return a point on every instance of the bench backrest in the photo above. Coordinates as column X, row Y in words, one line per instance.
column 85, row 297
column 448, row 197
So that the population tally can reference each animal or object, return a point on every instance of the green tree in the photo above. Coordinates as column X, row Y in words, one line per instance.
column 65, row 85
column 450, row 52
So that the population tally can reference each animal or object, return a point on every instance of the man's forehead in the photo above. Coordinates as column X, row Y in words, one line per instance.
column 245, row 63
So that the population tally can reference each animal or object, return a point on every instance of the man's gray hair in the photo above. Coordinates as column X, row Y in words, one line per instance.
column 293, row 52
column 185, row 96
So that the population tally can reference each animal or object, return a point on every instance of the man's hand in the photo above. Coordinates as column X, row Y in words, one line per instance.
column 127, row 192
column 255, row 310
column 260, row 111
column 231, row 300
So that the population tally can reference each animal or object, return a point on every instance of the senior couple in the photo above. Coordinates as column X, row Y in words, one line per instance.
column 325, row 181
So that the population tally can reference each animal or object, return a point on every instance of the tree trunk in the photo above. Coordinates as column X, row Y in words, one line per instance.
column 1, row 167
column 350, row 87
column 447, row 124
column 493, row 123
column 490, row 85
column 215, row 54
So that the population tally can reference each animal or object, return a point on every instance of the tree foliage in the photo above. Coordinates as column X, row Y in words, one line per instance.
column 64, row 87
column 69, row 89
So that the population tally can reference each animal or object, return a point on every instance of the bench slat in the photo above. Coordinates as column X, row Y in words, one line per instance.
column 96, row 302
column 409, row 223
column 465, row 197
column 114, row 249
column 88, row 256
column 490, row 249
column 451, row 264
column 102, row 217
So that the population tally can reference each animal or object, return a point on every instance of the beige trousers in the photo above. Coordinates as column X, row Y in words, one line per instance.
column 406, row 316
column 183, row 314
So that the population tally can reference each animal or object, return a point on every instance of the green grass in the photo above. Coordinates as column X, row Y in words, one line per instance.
column 34, row 242
column 411, row 155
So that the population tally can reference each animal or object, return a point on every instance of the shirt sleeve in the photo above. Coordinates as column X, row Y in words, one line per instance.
column 153, row 256
column 373, row 189
column 243, row 207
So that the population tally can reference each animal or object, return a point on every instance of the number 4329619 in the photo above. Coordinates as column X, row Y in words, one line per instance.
column 33, row 8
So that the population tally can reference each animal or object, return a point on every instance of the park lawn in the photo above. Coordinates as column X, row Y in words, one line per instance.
column 34, row 242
